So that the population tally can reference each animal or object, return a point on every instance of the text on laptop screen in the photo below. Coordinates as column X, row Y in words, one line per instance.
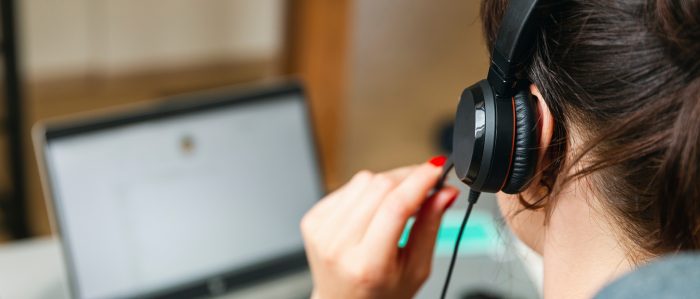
column 154, row 204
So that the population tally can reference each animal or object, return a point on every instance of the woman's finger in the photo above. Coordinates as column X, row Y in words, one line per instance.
column 332, row 213
column 421, row 241
column 360, row 212
column 399, row 174
column 387, row 225
column 377, row 182
column 321, row 208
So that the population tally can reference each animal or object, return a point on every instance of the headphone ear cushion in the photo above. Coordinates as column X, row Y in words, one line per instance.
column 526, row 142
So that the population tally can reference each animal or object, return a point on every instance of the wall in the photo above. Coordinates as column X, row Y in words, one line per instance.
column 123, row 36
column 410, row 62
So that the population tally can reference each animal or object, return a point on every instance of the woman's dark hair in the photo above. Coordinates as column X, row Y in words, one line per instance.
column 625, row 75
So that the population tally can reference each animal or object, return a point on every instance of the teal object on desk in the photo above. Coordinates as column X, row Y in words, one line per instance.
column 480, row 236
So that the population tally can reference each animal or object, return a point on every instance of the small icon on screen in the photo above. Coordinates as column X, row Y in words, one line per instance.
column 187, row 144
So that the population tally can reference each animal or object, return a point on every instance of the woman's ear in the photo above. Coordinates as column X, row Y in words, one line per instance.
column 529, row 224
column 545, row 124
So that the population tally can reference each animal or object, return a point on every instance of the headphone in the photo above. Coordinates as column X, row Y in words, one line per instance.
column 496, row 135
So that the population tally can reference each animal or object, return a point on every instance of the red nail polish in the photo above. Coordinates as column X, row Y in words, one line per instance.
column 438, row 161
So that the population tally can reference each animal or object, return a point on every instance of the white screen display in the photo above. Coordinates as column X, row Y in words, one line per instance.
column 150, row 205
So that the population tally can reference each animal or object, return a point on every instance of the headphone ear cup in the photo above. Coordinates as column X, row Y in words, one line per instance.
column 524, row 159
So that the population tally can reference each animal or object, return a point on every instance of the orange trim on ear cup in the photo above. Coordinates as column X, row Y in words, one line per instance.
column 512, row 146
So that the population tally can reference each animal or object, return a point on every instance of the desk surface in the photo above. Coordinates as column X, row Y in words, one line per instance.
column 32, row 269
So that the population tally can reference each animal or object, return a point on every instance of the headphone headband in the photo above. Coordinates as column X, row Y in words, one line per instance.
column 514, row 42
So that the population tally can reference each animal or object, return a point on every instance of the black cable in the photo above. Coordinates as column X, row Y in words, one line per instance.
column 473, row 197
column 449, row 164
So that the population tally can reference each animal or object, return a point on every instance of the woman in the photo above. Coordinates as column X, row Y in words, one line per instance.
column 618, row 90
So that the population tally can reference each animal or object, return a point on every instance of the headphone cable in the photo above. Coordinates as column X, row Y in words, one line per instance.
column 473, row 197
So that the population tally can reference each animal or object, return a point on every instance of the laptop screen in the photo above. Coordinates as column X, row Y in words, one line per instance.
column 159, row 200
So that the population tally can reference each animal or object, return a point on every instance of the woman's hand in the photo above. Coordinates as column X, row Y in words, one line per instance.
column 351, row 236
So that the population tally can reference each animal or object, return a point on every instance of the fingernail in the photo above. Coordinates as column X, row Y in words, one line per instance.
column 438, row 161
column 451, row 202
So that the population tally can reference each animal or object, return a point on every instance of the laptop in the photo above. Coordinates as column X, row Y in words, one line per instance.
column 193, row 196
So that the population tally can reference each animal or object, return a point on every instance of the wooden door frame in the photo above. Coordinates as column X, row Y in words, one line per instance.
column 316, row 50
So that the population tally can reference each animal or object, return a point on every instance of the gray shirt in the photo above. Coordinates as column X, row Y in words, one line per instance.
column 674, row 276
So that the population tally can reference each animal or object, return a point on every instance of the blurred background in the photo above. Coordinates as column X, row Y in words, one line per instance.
column 383, row 79
column 383, row 76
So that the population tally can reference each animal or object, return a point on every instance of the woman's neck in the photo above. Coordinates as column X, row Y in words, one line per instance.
column 581, row 253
